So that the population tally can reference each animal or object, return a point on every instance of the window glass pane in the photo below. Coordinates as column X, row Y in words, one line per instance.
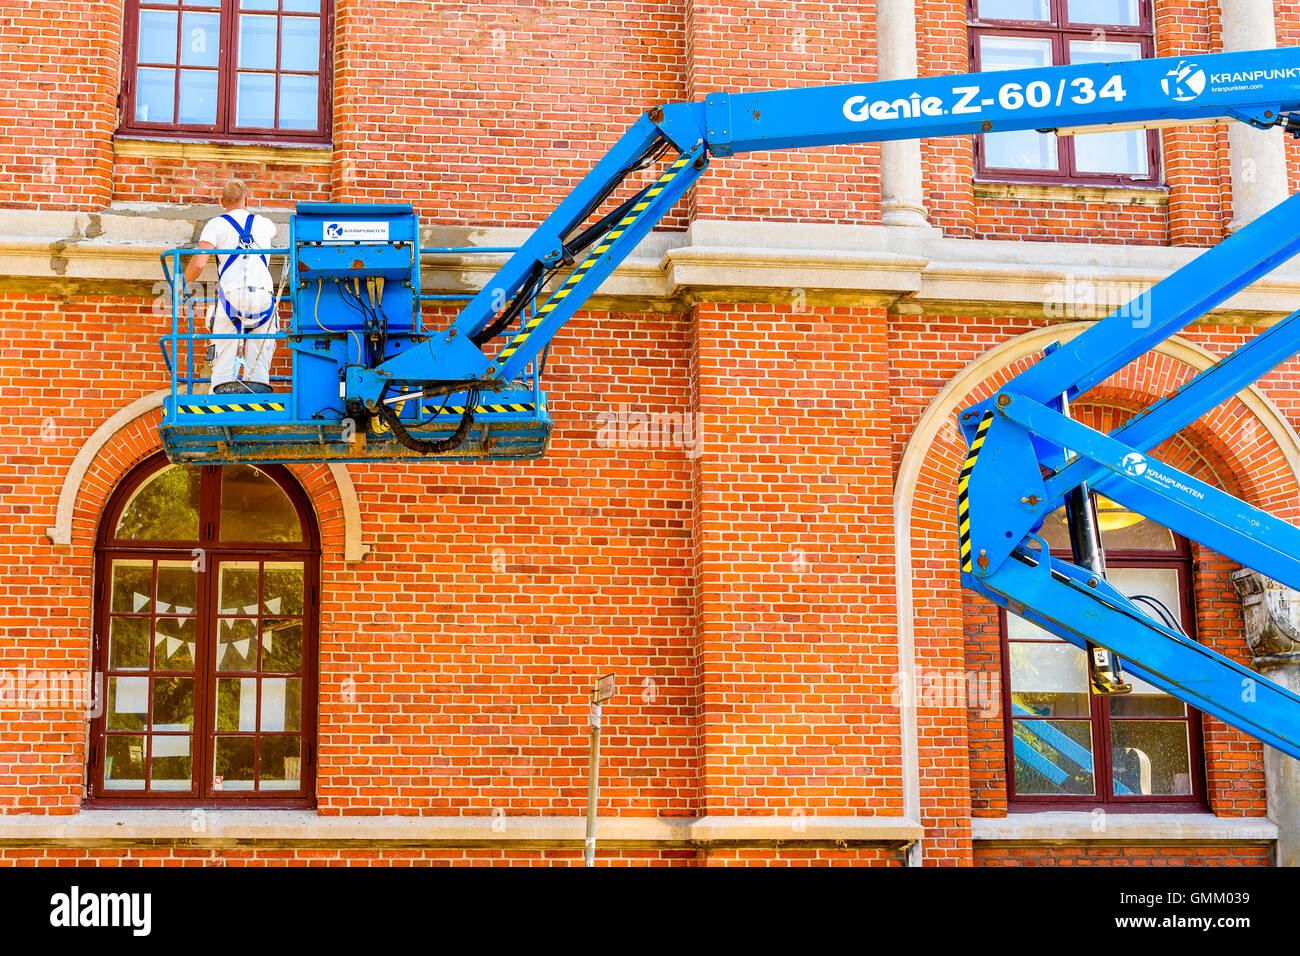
column 1151, row 757
column 155, row 95
column 200, row 3
column 124, row 762
column 177, row 587
column 282, row 588
column 173, row 644
column 255, row 100
column 281, row 704
column 301, row 44
column 237, row 704
column 237, row 645
column 1122, row 152
column 1018, row 629
column 1015, row 10
column 169, row 763
column 254, row 507
column 1145, row 701
column 302, row 6
column 173, row 703
column 1121, row 529
column 299, row 101
column 234, row 763
column 257, row 4
column 281, row 645
column 166, row 506
column 257, row 42
column 1048, row 680
column 198, row 97
column 237, row 591
column 128, row 644
column 132, row 585
column 1022, row 149
column 157, row 37
column 281, row 764
column 1053, row 756
column 128, row 703
column 1123, row 13
column 1159, row 584
column 200, row 38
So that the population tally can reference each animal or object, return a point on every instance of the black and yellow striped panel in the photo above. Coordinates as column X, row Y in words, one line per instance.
column 963, row 505
column 485, row 409
column 240, row 407
column 563, row 291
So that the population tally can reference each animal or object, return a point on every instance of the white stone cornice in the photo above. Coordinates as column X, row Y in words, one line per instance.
column 736, row 260
column 239, row 827
column 1085, row 826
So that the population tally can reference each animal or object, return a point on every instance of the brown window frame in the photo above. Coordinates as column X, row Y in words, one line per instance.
column 202, row 792
column 1060, row 32
column 1181, row 560
column 224, row 130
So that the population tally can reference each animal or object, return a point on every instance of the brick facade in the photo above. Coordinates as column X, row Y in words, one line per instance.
column 745, row 592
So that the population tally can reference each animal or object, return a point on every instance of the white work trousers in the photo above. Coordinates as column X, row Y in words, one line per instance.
column 258, row 351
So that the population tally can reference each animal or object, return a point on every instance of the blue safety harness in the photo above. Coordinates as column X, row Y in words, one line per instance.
column 243, row 321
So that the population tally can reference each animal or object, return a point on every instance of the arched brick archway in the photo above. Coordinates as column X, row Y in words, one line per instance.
column 1245, row 446
column 131, row 435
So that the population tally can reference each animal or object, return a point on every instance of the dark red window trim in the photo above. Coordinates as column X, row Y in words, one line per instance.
column 225, row 130
column 1060, row 32
column 202, row 793
column 1180, row 560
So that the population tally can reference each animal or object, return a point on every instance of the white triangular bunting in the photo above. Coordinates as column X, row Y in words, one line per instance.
column 139, row 601
column 266, row 639
column 273, row 605
column 172, row 644
column 242, row 647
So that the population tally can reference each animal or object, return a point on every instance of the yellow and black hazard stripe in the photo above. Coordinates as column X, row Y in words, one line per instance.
column 484, row 409
column 563, row 291
column 240, row 407
column 963, row 505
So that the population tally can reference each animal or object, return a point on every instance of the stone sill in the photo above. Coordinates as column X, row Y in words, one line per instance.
column 1101, row 195
column 305, row 827
column 1076, row 827
column 271, row 154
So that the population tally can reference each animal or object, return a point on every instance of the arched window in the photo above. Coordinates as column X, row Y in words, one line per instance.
column 205, row 629
column 1068, row 746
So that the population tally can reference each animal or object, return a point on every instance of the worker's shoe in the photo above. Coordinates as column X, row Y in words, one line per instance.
column 242, row 388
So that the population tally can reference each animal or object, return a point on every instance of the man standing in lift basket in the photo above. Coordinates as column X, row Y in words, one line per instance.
column 246, row 301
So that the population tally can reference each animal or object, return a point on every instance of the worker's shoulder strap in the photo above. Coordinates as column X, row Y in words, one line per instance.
column 245, row 240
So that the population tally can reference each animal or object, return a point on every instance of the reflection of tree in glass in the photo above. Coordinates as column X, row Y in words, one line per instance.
column 165, row 508
column 255, row 508
column 173, row 701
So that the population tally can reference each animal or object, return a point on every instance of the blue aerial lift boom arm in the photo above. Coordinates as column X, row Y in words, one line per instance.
column 367, row 387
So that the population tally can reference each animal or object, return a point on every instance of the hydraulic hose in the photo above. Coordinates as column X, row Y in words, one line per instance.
column 435, row 446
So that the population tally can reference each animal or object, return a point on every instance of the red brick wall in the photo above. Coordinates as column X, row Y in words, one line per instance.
column 58, row 91
column 1123, row 856
column 745, row 595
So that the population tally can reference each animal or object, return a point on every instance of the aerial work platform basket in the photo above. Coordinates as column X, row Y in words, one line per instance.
column 353, row 300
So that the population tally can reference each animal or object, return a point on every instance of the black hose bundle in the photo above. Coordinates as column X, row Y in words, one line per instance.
column 438, row 445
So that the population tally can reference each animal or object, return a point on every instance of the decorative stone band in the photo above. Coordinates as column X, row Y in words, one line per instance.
column 306, row 828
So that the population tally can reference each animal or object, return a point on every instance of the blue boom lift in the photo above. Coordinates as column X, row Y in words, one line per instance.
column 371, row 380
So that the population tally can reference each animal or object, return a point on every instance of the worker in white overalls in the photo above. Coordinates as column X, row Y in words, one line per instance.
column 245, row 294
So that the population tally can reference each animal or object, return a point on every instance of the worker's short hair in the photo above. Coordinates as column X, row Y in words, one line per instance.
column 233, row 192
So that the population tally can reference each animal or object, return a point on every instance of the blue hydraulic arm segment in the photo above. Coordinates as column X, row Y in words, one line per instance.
column 1063, row 599
column 1261, row 88
column 1256, row 87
